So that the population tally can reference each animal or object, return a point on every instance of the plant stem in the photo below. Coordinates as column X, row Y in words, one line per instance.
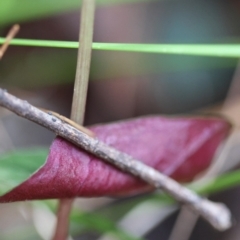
column 79, row 99
column 215, row 213
column 64, row 210
column 83, row 62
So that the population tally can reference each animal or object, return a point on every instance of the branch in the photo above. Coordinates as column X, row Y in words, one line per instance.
column 11, row 34
column 215, row 213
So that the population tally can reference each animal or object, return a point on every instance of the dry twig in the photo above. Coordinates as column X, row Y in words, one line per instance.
column 215, row 213
column 11, row 34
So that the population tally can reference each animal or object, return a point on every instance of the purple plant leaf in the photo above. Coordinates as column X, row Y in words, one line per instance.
column 179, row 147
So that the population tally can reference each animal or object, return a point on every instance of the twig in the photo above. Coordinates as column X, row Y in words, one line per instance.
column 215, row 213
column 11, row 34
column 79, row 99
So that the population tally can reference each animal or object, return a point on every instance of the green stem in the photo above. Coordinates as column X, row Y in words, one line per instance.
column 211, row 50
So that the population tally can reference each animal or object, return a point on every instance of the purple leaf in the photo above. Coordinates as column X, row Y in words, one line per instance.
column 179, row 147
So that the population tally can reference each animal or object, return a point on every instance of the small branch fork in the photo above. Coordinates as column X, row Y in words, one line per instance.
column 216, row 214
column 11, row 34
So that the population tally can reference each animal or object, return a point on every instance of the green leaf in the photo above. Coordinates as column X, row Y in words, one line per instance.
column 211, row 50
column 17, row 166
column 13, row 11
column 218, row 184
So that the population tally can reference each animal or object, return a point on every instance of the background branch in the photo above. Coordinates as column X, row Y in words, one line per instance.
column 215, row 213
column 11, row 34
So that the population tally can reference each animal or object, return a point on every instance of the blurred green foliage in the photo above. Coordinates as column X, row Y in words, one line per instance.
column 12, row 11
column 17, row 166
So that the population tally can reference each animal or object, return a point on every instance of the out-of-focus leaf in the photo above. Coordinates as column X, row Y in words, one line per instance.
column 220, row 183
column 211, row 50
column 179, row 147
column 12, row 11
column 17, row 166
column 20, row 233
column 208, row 187
column 99, row 223
column 82, row 222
